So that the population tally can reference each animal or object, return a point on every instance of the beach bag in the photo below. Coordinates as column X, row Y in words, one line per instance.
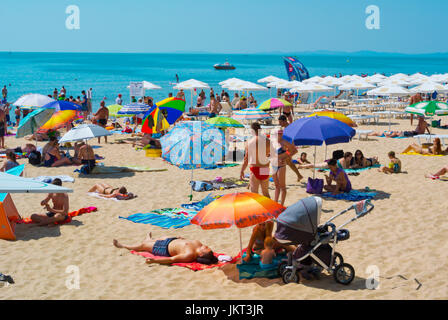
column 34, row 158
column 199, row 186
column 315, row 186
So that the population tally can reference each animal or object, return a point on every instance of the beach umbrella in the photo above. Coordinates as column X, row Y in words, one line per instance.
column 33, row 121
column 113, row 109
column 61, row 105
column 172, row 108
column 191, row 85
column 311, row 88
column 278, row 84
column 84, row 132
column 244, row 209
column 59, row 119
column 13, row 184
column 230, row 82
column 315, row 79
column 268, row 79
column 395, row 82
column 224, row 122
column 429, row 87
column 428, row 108
column 335, row 115
column 33, row 100
column 357, row 85
column 274, row 103
column 389, row 90
column 154, row 122
column 315, row 131
column 133, row 109
column 149, row 86
column 250, row 114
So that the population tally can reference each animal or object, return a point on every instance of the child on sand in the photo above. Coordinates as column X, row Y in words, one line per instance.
column 268, row 254
column 394, row 165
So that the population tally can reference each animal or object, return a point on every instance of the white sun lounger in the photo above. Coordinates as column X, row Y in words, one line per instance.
column 431, row 137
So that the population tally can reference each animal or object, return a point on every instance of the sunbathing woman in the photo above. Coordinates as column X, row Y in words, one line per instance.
column 422, row 126
column 346, row 161
column 52, row 155
column 436, row 148
column 107, row 191
column 359, row 161
column 439, row 173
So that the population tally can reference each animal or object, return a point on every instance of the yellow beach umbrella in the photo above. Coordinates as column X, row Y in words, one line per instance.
column 335, row 115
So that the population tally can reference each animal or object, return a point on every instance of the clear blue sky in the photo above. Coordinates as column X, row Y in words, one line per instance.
column 225, row 26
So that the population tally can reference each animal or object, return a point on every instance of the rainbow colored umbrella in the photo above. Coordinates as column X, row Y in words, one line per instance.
column 62, row 105
column 155, row 122
column 172, row 108
column 274, row 103
column 243, row 210
column 224, row 122
column 59, row 119
column 335, row 115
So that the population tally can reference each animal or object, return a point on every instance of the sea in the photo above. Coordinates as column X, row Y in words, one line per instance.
column 109, row 74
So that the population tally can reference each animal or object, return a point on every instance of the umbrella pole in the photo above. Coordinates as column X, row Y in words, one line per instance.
column 191, row 189
column 241, row 246
column 314, row 170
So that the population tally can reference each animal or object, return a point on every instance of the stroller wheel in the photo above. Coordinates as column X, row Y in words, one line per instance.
column 281, row 267
column 289, row 277
column 344, row 274
column 337, row 260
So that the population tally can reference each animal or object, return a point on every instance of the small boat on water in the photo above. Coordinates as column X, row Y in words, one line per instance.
column 224, row 66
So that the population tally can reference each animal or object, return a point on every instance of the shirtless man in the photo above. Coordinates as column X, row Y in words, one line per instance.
column 84, row 155
column 288, row 112
column 415, row 99
column 181, row 94
column 176, row 250
column 17, row 113
column 242, row 104
column 215, row 107
column 258, row 160
column 102, row 116
column 3, row 128
column 58, row 213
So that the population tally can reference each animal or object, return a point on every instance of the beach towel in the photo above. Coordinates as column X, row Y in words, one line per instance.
column 442, row 178
column 165, row 218
column 356, row 170
column 225, row 165
column 425, row 155
column 195, row 266
column 48, row 179
column 68, row 220
column 115, row 169
column 252, row 269
column 200, row 186
column 198, row 206
column 353, row 195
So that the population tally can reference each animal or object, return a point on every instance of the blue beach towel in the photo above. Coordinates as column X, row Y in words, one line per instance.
column 165, row 218
column 357, row 170
column 198, row 206
column 353, row 195
column 252, row 269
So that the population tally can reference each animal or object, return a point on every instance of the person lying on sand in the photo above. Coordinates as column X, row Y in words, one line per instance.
column 436, row 149
column 359, row 161
column 422, row 126
column 60, row 209
column 394, row 165
column 107, row 191
column 438, row 174
column 175, row 250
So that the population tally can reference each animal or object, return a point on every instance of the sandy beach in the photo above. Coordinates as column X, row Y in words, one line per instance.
column 404, row 236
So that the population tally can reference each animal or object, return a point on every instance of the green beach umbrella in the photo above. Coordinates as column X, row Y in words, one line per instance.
column 33, row 121
column 113, row 109
column 274, row 103
column 428, row 108
column 224, row 122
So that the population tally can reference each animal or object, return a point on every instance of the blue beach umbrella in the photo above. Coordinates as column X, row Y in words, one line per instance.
column 62, row 105
column 315, row 131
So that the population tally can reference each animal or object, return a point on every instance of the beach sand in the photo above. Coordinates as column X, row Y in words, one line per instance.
column 404, row 236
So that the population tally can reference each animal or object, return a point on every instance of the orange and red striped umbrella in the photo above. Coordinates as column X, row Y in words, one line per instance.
column 243, row 209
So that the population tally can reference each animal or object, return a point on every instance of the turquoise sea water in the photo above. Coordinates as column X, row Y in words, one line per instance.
column 110, row 73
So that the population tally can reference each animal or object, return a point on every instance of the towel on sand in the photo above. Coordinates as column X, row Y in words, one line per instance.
column 113, row 169
column 195, row 266
column 419, row 154
column 48, row 179
column 353, row 195
column 165, row 218
column 357, row 170
column 219, row 166
column 252, row 269
column 198, row 206
column 68, row 220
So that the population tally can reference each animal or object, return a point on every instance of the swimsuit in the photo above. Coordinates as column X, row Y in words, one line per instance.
column 102, row 122
column 348, row 187
column 394, row 166
column 286, row 113
column 49, row 162
column 2, row 129
column 268, row 266
column 160, row 247
column 261, row 173
column 52, row 214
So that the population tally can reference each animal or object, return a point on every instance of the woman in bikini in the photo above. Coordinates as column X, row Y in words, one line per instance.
column 279, row 170
column 359, row 161
column 53, row 157
column 107, row 191
column 435, row 150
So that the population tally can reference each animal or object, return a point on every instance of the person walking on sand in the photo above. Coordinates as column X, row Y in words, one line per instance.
column 3, row 128
column 17, row 113
column 57, row 213
column 291, row 149
column 102, row 116
column 175, row 249
column 257, row 153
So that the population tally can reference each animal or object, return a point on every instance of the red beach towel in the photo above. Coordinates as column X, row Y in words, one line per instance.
column 68, row 220
column 195, row 266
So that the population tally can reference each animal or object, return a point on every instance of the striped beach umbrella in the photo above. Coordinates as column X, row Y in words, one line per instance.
column 113, row 109
column 154, row 122
column 224, row 122
column 428, row 108
column 133, row 109
column 59, row 119
column 61, row 105
column 251, row 114
column 172, row 108
column 335, row 115
column 274, row 103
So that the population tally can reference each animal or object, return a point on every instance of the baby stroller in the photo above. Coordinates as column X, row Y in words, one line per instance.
column 316, row 251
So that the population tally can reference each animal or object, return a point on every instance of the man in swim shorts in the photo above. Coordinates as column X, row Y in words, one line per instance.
column 257, row 153
column 58, row 213
column 175, row 249
column 102, row 116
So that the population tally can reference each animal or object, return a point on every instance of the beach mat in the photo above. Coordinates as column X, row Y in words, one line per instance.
column 198, row 206
column 219, row 166
column 166, row 218
column 356, row 170
column 49, row 179
column 68, row 220
column 419, row 154
column 195, row 266
column 116, row 169
column 353, row 195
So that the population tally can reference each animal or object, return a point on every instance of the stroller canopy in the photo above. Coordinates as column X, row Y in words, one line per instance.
column 303, row 216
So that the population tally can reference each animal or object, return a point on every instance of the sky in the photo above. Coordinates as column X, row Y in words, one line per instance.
column 225, row 26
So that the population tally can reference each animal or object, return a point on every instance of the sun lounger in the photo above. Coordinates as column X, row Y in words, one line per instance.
column 431, row 137
column 364, row 118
